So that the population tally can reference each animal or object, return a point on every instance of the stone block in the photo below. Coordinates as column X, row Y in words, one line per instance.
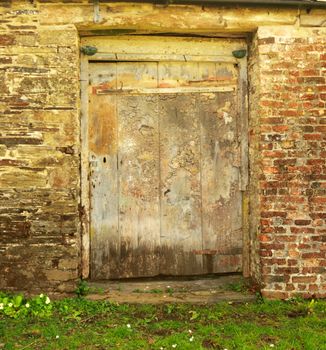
column 61, row 275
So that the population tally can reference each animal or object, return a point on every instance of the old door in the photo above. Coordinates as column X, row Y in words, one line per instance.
column 165, row 160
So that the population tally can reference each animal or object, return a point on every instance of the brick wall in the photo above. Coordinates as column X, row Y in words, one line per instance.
column 288, row 138
column 39, row 152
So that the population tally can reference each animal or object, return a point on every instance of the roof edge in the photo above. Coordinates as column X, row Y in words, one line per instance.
column 270, row 3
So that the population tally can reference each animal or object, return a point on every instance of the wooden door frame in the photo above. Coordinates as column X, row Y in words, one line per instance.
column 105, row 56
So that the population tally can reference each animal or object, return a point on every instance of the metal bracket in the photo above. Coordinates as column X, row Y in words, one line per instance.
column 239, row 53
column 88, row 50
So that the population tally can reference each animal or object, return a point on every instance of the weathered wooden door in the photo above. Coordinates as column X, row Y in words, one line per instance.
column 164, row 145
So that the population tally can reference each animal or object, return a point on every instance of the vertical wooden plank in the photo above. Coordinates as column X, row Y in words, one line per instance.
column 104, row 186
column 139, row 221
column 102, row 133
column 243, row 111
column 180, row 184
column 243, row 121
column 85, row 203
column 221, row 198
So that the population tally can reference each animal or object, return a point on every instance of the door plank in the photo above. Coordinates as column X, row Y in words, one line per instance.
column 180, row 184
column 221, row 197
column 104, row 185
column 139, row 220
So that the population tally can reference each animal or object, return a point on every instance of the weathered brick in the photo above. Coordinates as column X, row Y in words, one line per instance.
column 302, row 222
column 303, row 279
column 296, row 119
column 272, row 294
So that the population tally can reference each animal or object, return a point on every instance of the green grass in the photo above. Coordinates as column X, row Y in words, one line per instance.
column 148, row 291
column 81, row 324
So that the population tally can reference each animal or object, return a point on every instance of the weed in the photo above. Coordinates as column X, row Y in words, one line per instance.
column 240, row 287
column 82, row 288
column 303, row 308
column 194, row 315
column 170, row 308
column 169, row 290
column 149, row 291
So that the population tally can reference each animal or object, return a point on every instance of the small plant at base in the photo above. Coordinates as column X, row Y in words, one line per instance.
column 239, row 287
column 170, row 308
column 302, row 307
column 311, row 307
column 82, row 288
column 194, row 315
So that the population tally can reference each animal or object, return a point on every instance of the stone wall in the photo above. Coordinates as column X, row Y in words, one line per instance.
column 39, row 152
column 40, row 135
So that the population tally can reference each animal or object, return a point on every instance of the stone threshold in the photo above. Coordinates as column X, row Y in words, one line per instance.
column 201, row 291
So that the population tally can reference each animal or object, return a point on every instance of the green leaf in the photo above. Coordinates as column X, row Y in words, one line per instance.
column 17, row 301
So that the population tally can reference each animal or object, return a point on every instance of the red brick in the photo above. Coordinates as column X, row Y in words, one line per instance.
column 264, row 253
column 309, row 72
column 302, row 287
column 274, row 294
column 313, row 288
column 320, row 128
column 264, row 238
column 303, row 279
column 302, row 222
column 272, row 246
column 272, row 120
column 270, row 214
column 289, row 113
column 312, row 136
column 313, row 269
column 314, row 255
column 289, row 287
column 315, row 161
column 292, row 262
column 280, row 128
column 289, row 270
column 312, row 80
column 323, row 57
